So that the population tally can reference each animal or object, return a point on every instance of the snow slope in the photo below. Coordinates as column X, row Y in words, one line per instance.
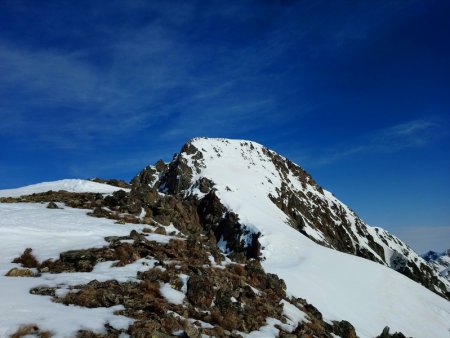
column 70, row 185
column 49, row 232
column 341, row 286
column 320, row 215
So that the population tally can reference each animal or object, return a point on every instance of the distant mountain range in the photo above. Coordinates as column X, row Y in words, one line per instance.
column 440, row 261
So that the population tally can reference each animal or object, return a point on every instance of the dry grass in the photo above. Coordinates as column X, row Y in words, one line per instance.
column 152, row 289
column 237, row 269
column 126, row 254
column 15, row 272
column 27, row 259
column 30, row 329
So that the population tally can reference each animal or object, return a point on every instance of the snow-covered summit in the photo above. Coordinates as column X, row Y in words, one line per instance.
column 70, row 185
column 245, row 172
column 288, row 211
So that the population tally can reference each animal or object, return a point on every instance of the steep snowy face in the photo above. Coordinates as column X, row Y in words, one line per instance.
column 257, row 184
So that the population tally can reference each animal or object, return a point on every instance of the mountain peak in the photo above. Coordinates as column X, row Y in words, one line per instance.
column 217, row 147
column 431, row 255
column 255, row 202
column 242, row 157
column 440, row 261
column 266, row 191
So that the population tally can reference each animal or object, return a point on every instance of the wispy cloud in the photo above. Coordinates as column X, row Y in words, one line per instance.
column 411, row 134
column 147, row 75
column 168, row 74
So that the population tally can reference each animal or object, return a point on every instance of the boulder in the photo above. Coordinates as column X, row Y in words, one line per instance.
column 52, row 205
column 16, row 272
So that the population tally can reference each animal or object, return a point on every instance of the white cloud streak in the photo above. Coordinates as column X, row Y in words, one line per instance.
column 411, row 134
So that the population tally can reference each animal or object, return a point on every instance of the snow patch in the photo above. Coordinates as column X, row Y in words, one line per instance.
column 70, row 185
column 171, row 295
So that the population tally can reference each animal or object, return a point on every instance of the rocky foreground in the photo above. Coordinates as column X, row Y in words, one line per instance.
column 191, row 289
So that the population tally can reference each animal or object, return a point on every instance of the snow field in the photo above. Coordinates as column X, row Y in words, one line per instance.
column 49, row 232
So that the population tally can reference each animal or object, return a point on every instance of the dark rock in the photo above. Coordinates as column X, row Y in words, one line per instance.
column 160, row 230
column 74, row 200
column 200, row 291
column 160, row 166
column 149, row 176
column 113, row 182
column 43, row 291
column 150, row 334
column 79, row 260
column 146, row 196
column 191, row 332
column 274, row 282
column 118, row 198
column 386, row 334
column 77, row 255
column 210, row 211
column 344, row 329
column 126, row 254
column 97, row 294
column 100, row 212
column 52, row 205
column 178, row 177
column 205, row 185
column 134, row 206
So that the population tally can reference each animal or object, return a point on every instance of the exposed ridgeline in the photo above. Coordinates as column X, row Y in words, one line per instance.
column 227, row 176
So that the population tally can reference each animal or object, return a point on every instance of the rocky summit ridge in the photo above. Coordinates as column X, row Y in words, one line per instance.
column 207, row 169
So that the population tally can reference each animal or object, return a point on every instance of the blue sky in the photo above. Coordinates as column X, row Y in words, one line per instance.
column 356, row 92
